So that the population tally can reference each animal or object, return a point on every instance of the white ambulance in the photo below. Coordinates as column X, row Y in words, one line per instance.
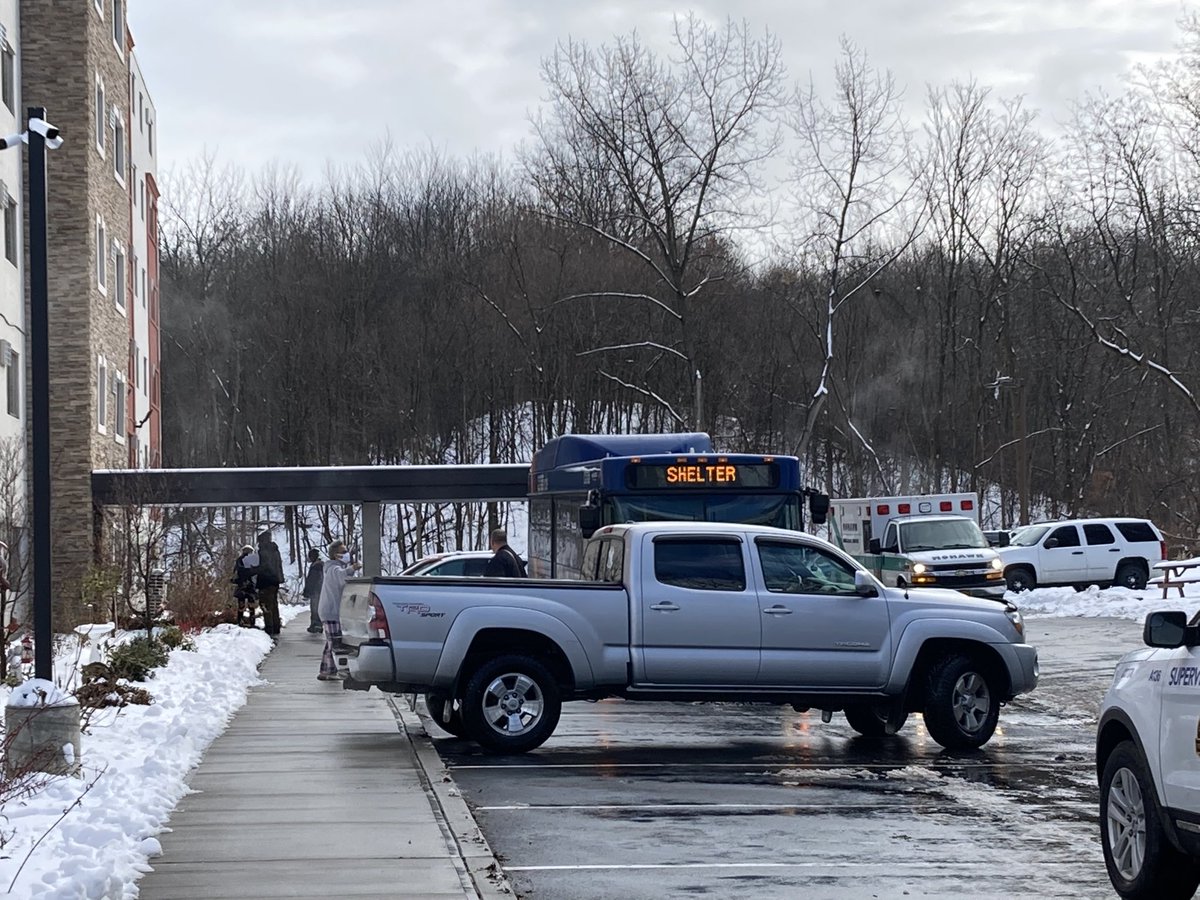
column 925, row 541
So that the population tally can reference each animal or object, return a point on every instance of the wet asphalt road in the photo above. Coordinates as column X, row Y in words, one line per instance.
column 632, row 800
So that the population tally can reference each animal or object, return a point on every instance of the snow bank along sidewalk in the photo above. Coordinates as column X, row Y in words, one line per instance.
column 1114, row 602
column 90, row 836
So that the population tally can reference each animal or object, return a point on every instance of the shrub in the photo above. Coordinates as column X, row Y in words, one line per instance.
column 197, row 598
column 100, row 688
column 135, row 660
column 175, row 639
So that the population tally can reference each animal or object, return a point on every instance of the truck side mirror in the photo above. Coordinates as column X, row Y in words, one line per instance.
column 873, row 547
column 1051, row 543
column 864, row 586
column 818, row 508
column 1002, row 539
column 1165, row 629
column 589, row 520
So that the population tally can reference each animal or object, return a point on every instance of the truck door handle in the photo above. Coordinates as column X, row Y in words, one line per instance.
column 1114, row 549
column 1077, row 553
column 777, row 611
column 665, row 606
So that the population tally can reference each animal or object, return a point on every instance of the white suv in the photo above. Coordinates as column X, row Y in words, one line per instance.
column 1148, row 762
column 1081, row 552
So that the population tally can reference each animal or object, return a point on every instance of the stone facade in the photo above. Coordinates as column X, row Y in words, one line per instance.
column 76, row 64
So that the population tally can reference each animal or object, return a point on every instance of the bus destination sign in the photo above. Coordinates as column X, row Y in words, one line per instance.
column 699, row 474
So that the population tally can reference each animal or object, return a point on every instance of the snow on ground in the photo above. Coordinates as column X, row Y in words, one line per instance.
column 1119, row 603
column 135, row 761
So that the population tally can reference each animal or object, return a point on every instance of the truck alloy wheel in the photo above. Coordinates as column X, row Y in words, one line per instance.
column 1020, row 578
column 962, row 705
column 1130, row 575
column 1139, row 856
column 511, row 704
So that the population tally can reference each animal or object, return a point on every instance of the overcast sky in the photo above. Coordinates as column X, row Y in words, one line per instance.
column 303, row 82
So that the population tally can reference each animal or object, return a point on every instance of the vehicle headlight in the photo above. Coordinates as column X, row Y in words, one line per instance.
column 997, row 563
column 1014, row 616
column 919, row 568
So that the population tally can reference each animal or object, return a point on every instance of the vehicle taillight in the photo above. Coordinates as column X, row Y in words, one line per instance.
column 1162, row 549
column 377, row 625
column 946, row 506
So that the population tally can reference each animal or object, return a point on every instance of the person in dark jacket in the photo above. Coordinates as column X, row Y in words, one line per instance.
column 243, row 586
column 268, row 579
column 312, row 589
column 505, row 563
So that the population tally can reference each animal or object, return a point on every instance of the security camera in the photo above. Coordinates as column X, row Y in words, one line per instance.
column 12, row 140
column 44, row 128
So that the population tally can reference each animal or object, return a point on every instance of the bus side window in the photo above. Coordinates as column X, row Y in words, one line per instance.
column 612, row 566
column 591, row 560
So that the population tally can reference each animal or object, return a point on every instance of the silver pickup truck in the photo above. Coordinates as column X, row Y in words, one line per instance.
column 688, row 611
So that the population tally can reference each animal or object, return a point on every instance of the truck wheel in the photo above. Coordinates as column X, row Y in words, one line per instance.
column 870, row 721
column 962, row 704
column 511, row 704
column 1130, row 575
column 1020, row 578
column 455, row 726
column 1141, row 861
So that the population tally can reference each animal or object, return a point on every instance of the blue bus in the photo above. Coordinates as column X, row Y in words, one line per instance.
column 581, row 482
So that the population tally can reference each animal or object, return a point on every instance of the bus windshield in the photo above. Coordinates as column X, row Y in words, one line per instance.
column 941, row 534
column 777, row 510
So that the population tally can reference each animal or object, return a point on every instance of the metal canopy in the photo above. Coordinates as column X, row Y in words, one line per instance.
column 296, row 486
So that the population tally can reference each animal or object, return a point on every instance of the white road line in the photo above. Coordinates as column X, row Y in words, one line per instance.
column 889, row 866
column 751, row 768
column 640, row 806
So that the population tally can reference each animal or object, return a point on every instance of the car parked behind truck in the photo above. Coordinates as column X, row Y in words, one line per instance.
column 1080, row 552
column 920, row 542
column 688, row 611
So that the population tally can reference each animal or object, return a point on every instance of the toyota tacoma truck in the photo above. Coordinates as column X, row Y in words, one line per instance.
column 688, row 611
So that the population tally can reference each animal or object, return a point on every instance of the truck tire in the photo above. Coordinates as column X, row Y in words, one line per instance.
column 1139, row 856
column 870, row 721
column 1020, row 578
column 436, row 702
column 511, row 704
column 1130, row 575
column 962, row 704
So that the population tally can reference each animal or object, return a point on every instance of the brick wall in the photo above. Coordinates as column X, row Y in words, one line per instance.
column 65, row 44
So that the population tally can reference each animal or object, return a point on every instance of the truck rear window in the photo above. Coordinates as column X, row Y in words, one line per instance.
column 1138, row 532
column 704, row 564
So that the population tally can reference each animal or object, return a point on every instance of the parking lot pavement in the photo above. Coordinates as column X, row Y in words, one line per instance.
column 631, row 800
column 313, row 791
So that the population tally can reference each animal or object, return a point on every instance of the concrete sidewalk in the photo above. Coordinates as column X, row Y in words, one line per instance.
column 314, row 791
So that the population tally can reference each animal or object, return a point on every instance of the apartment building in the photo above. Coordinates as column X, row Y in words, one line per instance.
column 76, row 59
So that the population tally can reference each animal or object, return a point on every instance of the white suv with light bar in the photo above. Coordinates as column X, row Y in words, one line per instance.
column 1106, row 552
column 1148, row 763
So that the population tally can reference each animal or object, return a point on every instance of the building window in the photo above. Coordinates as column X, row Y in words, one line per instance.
column 141, row 113
column 101, row 396
column 150, row 136
column 8, row 81
column 118, row 145
column 14, row 384
column 101, row 257
column 10, row 230
column 143, row 288
column 118, row 406
column 119, row 276
column 101, row 113
column 118, row 24
column 145, row 374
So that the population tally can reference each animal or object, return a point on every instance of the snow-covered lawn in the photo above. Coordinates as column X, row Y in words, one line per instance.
column 135, row 761
column 1119, row 603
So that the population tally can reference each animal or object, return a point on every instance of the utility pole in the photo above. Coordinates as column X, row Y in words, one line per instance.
column 1022, row 454
column 696, row 415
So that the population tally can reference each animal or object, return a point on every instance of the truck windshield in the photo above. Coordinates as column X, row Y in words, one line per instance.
column 941, row 534
column 749, row 509
column 1028, row 536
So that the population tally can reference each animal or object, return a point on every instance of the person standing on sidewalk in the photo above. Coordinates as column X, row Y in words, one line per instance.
column 337, row 569
column 312, row 589
column 269, row 578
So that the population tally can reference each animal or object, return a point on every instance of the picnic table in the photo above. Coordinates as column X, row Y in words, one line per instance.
column 1176, row 573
